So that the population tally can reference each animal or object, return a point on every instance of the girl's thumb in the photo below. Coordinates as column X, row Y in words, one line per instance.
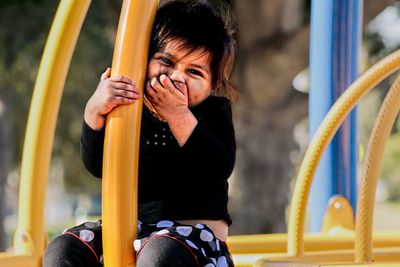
column 106, row 74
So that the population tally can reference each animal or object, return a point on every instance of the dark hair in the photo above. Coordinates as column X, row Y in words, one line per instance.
column 199, row 25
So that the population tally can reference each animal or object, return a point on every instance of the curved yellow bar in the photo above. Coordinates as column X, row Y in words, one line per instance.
column 372, row 163
column 121, row 148
column 30, row 238
column 322, row 137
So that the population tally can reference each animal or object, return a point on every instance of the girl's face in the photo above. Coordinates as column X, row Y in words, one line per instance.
column 183, row 67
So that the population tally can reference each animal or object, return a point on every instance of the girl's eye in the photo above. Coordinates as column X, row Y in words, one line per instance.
column 195, row 72
column 165, row 61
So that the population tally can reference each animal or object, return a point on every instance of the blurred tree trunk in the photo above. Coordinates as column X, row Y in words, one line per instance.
column 273, row 47
column 5, row 161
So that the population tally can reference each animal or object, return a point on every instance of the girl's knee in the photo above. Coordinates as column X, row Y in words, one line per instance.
column 163, row 251
column 58, row 250
column 68, row 251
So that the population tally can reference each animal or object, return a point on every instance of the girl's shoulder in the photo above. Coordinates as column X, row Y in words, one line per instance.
column 214, row 103
column 213, row 108
column 220, row 101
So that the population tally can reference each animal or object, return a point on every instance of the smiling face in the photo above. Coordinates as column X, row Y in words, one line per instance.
column 184, row 67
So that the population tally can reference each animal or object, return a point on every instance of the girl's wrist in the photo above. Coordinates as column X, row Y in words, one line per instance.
column 95, row 120
column 178, row 115
column 182, row 125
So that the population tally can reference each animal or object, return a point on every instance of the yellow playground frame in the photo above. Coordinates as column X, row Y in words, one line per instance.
column 347, row 246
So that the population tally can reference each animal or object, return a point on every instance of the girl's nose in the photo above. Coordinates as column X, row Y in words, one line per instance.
column 177, row 78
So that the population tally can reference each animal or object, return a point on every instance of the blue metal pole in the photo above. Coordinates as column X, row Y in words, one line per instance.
column 334, row 54
column 320, row 100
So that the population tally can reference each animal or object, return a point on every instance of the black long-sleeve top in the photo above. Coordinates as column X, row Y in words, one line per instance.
column 181, row 183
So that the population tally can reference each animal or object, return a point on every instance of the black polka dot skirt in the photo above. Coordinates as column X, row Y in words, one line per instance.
column 200, row 240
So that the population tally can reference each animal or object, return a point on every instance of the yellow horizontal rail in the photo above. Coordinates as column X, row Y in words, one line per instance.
column 14, row 260
column 330, row 258
column 277, row 243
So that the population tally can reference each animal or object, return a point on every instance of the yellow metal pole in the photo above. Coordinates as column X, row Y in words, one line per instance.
column 30, row 235
column 121, row 147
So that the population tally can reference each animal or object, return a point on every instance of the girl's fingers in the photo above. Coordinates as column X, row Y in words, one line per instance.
column 155, row 84
column 106, row 74
column 126, row 86
column 120, row 100
column 183, row 89
column 167, row 83
column 116, row 101
column 126, row 94
column 122, row 79
column 158, row 87
column 172, row 87
column 120, row 89
column 150, row 90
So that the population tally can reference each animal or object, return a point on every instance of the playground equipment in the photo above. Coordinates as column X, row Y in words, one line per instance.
column 119, row 205
column 325, row 247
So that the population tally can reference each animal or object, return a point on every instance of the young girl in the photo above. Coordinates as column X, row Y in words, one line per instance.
column 187, row 146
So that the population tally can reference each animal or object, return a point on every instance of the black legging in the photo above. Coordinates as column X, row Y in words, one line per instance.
column 68, row 251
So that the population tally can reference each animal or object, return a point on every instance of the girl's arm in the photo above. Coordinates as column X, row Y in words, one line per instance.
column 92, row 143
column 110, row 93
column 211, row 148
column 171, row 104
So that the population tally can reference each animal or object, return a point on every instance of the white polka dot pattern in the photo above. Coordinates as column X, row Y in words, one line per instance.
column 206, row 236
column 199, row 226
column 137, row 244
column 204, row 252
column 162, row 224
column 184, row 230
column 86, row 235
column 190, row 243
column 162, row 232
column 199, row 239
column 209, row 251
column 222, row 262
